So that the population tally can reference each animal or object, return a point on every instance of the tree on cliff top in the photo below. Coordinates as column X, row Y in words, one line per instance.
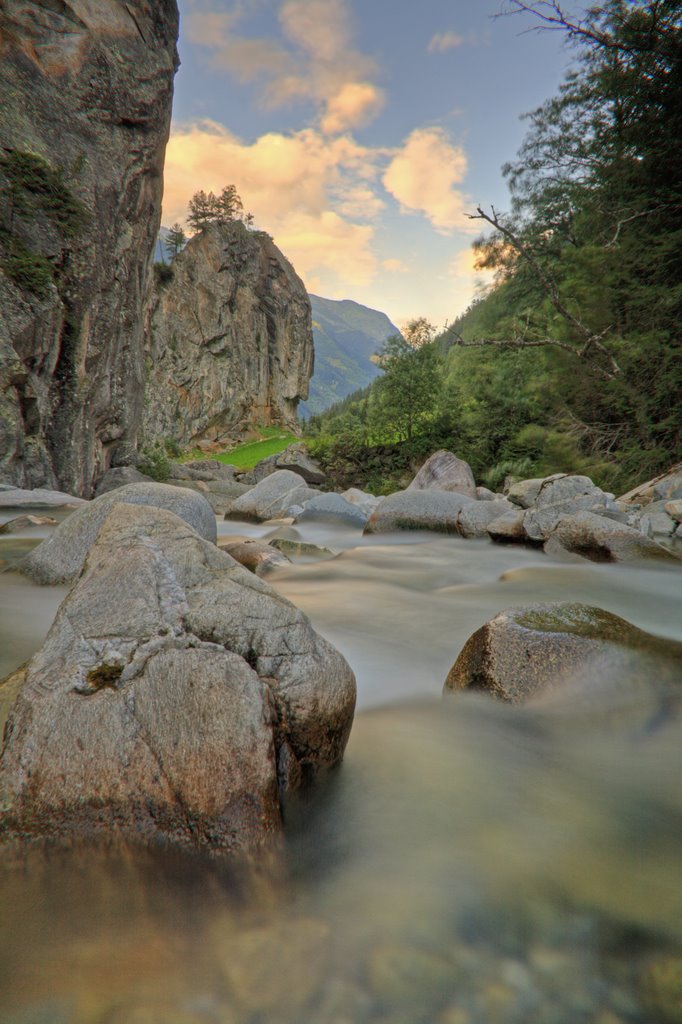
column 207, row 208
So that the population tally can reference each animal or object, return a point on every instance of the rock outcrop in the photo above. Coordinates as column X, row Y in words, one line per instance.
column 176, row 698
column 85, row 94
column 229, row 339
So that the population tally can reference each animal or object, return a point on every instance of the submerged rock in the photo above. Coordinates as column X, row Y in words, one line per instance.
column 26, row 523
column 443, row 471
column 524, row 652
column 60, row 558
column 176, row 698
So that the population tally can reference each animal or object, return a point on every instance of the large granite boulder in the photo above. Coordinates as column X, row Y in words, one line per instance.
column 228, row 338
column 525, row 652
column 602, row 540
column 60, row 558
column 297, row 459
column 176, row 698
column 418, row 510
column 271, row 497
column 443, row 471
column 85, row 93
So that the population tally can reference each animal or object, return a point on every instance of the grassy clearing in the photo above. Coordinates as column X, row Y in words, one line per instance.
column 245, row 456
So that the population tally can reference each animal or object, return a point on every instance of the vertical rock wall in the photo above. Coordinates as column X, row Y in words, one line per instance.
column 229, row 339
column 85, row 94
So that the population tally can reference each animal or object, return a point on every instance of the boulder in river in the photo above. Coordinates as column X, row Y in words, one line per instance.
column 21, row 523
column 271, row 497
column 418, row 510
column 39, row 497
column 476, row 516
column 335, row 507
column 60, row 558
column 525, row 652
column 603, row 540
column 443, row 471
column 256, row 555
column 176, row 698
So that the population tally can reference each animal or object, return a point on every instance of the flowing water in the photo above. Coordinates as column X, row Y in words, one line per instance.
column 470, row 862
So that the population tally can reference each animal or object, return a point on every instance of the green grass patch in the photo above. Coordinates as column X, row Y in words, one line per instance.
column 245, row 456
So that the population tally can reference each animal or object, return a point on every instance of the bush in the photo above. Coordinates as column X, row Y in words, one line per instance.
column 153, row 460
column 29, row 270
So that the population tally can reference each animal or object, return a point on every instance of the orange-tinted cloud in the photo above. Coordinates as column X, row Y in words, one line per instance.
column 423, row 176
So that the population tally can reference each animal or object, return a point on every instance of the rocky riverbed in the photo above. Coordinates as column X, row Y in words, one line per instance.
column 472, row 861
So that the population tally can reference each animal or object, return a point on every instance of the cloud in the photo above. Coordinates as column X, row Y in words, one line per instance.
column 444, row 41
column 315, row 61
column 354, row 105
column 307, row 190
column 423, row 176
column 468, row 279
column 395, row 266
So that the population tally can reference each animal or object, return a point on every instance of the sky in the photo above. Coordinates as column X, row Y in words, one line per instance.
column 360, row 134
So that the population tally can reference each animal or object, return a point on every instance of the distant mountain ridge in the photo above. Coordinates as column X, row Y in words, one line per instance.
column 346, row 335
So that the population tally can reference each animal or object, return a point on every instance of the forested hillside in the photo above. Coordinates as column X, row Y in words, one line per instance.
column 573, row 360
column 346, row 336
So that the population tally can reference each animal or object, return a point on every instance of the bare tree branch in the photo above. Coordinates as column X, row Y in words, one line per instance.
column 591, row 340
column 554, row 18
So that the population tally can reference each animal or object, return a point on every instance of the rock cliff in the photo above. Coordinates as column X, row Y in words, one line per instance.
column 85, row 93
column 228, row 340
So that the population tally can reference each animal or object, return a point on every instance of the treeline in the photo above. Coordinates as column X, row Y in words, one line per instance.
column 573, row 360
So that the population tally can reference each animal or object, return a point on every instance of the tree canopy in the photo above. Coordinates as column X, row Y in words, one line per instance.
column 206, row 208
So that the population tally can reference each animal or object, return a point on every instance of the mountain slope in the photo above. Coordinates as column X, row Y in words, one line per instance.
column 346, row 336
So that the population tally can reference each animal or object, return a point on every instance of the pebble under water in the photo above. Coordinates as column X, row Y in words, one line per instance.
column 471, row 863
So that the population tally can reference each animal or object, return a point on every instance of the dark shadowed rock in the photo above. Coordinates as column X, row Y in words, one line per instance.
column 418, row 510
column 524, row 652
column 176, row 697
column 60, row 558
column 119, row 476
column 271, row 497
column 443, row 471
column 603, row 540
column 297, row 459
column 85, row 94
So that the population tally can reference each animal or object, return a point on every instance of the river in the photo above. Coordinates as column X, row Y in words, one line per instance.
column 470, row 863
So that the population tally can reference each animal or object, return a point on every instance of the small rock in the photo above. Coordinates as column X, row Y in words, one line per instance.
column 508, row 528
column 524, row 492
column 484, row 494
column 297, row 459
column 475, row 518
column 299, row 549
column 411, row 978
column 21, row 523
column 256, row 556
column 674, row 509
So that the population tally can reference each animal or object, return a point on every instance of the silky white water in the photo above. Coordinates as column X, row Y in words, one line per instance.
column 470, row 862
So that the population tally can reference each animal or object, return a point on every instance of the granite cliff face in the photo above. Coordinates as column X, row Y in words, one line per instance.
column 85, row 94
column 228, row 341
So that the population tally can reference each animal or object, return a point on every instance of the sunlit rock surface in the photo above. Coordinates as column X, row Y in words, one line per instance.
column 177, row 698
column 229, row 339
